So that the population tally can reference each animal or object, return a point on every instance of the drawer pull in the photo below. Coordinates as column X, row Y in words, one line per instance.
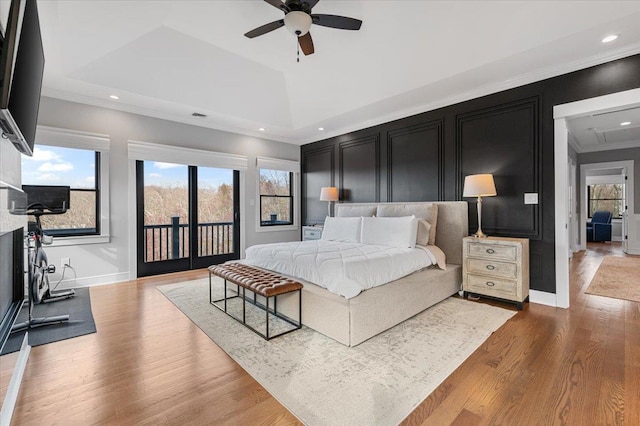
column 490, row 283
column 491, row 251
column 491, row 267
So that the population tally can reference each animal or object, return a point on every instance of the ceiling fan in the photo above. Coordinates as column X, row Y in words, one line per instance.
column 298, row 19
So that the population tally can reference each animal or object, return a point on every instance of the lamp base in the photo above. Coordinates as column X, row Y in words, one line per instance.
column 479, row 234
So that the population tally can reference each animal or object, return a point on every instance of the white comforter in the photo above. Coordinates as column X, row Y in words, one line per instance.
column 342, row 268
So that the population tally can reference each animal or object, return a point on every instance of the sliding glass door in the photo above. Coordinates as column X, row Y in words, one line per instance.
column 187, row 217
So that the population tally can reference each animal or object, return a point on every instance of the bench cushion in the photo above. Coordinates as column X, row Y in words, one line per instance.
column 260, row 281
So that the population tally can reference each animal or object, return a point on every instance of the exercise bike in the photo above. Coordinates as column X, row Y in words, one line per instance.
column 38, row 269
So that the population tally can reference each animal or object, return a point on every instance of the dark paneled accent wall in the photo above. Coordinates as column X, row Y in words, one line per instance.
column 426, row 157
column 504, row 140
column 414, row 157
column 317, row 171
column 359, row 168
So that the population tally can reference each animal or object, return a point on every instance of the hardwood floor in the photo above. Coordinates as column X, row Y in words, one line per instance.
column 148, row 364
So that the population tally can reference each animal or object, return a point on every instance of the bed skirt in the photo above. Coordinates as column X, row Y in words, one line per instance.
column 352, row 321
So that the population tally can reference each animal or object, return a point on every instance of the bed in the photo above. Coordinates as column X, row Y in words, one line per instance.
column 353, row 319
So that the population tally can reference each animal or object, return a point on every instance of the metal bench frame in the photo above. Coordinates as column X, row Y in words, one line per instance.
column 297, row 325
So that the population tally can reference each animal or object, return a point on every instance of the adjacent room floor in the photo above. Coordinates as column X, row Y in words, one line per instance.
column 148, row 364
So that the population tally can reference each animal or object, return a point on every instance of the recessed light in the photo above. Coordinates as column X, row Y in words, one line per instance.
column 625, row 123
column 261, row 129
column 321, row 128
column 116, row 97
column 610, row 38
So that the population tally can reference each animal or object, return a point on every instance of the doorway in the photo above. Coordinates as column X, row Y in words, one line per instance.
column 187, row 217
column 601, row 104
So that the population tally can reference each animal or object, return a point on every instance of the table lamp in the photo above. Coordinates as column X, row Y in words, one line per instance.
column 329, row 193
column 479, row 186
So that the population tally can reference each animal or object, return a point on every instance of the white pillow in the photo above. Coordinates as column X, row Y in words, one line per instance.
column 345, row 229
column 390, row 231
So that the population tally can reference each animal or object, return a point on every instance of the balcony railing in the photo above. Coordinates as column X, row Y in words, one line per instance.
column 171, row 241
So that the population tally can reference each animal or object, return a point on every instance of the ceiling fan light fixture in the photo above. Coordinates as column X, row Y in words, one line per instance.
column 297, row 22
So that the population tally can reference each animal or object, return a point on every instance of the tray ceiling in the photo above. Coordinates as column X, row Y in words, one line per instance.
column 169, row 59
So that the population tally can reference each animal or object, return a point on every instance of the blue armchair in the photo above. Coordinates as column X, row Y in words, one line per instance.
column 600, row 227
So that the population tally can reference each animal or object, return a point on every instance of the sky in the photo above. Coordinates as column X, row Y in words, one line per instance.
column 59, row 166
column 51, row 165
column 175, row 175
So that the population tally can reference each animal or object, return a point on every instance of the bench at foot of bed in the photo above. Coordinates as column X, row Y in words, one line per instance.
column 260, row 282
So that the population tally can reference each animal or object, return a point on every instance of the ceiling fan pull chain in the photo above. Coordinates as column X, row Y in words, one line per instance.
column 298, row 50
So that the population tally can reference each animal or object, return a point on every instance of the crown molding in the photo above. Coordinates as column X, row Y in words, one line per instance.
column 297, row 136
column 528, row 78
column 221, row 123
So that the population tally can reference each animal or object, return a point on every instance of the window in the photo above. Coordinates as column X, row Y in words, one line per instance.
column 276, row 197
column 81, row 161
column 607, row 197
column 80, row 170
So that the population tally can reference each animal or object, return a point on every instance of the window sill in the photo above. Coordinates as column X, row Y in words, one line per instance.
column 276, row 228
column 77, row 241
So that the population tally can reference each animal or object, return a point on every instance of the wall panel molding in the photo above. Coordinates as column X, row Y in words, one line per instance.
column 323, row 161
column 353, row 158
column 505, row 140
column 417, row 177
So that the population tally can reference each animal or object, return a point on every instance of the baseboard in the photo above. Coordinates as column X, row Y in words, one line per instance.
column 92, row 281
column 633, row 250
column 542, row 298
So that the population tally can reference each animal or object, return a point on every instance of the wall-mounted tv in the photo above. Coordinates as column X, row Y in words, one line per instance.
column 21, row 71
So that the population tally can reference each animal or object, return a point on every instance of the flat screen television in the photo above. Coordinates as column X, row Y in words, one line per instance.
column 21, row 72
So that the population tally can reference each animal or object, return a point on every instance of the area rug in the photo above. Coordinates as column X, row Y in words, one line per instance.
column 324, row 382
column 617, row 277
column 80, row 321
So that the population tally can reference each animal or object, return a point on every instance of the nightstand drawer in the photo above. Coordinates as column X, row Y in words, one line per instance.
column 494, row 269
column 493, row 251
column 490, row 286
column 311, row 233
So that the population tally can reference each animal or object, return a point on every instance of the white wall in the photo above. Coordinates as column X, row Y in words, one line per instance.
column 110, row 262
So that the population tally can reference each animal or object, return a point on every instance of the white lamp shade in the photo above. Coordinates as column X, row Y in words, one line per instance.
column 297, row 22
column 479, row 186
column 329, row 193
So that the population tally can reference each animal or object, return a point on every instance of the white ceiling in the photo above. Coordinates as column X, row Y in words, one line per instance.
column 601, row 132
column 170, row 58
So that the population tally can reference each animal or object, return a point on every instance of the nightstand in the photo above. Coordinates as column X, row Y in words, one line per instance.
column 311, row 233
column 497, row 267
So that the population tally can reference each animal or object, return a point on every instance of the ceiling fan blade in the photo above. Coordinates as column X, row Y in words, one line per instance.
column 265, row 28
column 306, row 44
column 335, row 21
column 279, row 4
column 311, row 3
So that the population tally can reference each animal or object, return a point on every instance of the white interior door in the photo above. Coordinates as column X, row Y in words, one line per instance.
column 625, row 212
column 570, row 207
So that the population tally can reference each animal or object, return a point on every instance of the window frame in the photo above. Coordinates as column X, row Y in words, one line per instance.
column 100, row 143
column 590, row 199
column 293, row 167
column 292, row 214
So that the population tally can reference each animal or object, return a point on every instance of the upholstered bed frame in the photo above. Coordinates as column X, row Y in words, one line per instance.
column 352, row 321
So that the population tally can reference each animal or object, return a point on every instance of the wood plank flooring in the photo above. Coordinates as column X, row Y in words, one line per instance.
column 148, row 364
